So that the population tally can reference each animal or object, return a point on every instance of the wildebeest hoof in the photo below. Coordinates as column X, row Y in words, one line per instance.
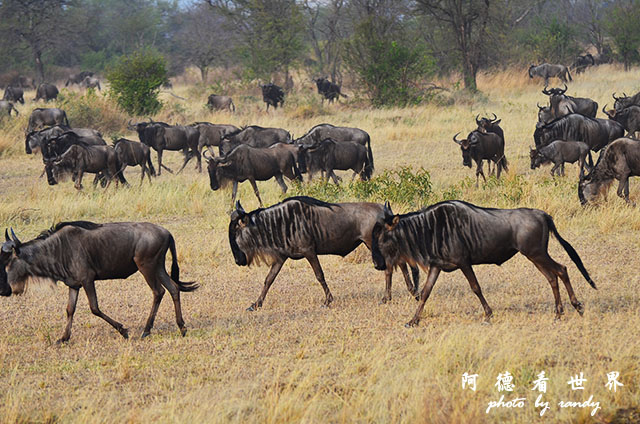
column 486, row 322
column 384, row 300
column 145, row 334
column 412, row 323
column 183, row 331
column 61, row 341
column 252, row 308
column 124, row 332
column 580, row 308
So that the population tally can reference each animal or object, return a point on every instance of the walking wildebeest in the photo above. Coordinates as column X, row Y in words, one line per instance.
column 328, row 155
column 547, row 70
column 253, row 164
column 78, row 78
column 619, row 160
column 457, row 235
column 80, row 159
column 304, row 227
column 628, row 117
column 79, row 253
column 91, row 82
column 559, row 152
column 329, row 90
column 582, row 62
column 254, row 136
column 479, row 146
column 46, row 92
column 272, row 95
column 625, row 101
column 46, row 117
column 13, row 94
column 132, row 153
column 38, row 139
column 7, row 107
column 211, row 135
column 220, row 103
column 562, row 104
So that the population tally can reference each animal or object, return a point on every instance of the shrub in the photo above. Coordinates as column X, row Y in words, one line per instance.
column 91, row 110
column 136, row 80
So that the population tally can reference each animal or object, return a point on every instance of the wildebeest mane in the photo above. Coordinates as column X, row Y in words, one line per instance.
column 87, row 225
column 316, row 126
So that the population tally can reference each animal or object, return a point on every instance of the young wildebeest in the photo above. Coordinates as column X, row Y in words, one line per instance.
column 132, row 153
column 628, row 117
column 558, row 153
column 79, row 159
column 547, row 70
column 619, row 160
column 7, row 107
column 253, row 164
column 329, row 155
column 211, row 135
column 457, row 235
column 46, row 92
column 479, row 146
column 80, row 253
column 254, row 136
column 303, row 227
column 220, row 103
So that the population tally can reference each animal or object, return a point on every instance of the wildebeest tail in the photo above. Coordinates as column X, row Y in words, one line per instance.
column 367, row 169
column 504, row 163
column 175, row 270
column 233, row 106
column 296, row 170
column 370, row 153
column 569, row 75
column 66, row 120
column 570, row 250
column 150, row 165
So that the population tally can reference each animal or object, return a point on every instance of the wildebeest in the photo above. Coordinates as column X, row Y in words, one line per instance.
column 596, row 133
column 211, row 135
column 23, row 82
column 628, row 117
column 37, row 139
column 455, row 235
column 46, row 92
column 559, row 152
column 625, row 101
column 13, row 94
column 479, row 146
column 7, row 107
column 272, row 95
column 220, row 103
column 304, row 227
column 78, row 78
column 254, row 136
column 328, row 155
column 547, row 70
column 79, row 253
column 81, row 158
column 329, row 90
column 619, row 160
column 254, row 164
column 133, row 153
column 46, row 117
column 561, row 104
column 582, row 62
column 490, row 125
column 91, row 82
column 161, row 136
column 57, row 146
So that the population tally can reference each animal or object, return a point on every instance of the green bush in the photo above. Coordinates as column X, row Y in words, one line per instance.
column 136, row 80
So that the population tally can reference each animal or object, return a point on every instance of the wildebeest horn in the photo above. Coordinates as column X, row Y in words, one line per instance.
column 539, row 107
column 545, row 91
column 206, row 155
column 240, row 209
column 561, row 91
column 6, row 234
column 456, row 140
column 610, row 115
column 495, row 117
column 387, row 209
column 477, row 120
column 614, row 96
column 15, row 239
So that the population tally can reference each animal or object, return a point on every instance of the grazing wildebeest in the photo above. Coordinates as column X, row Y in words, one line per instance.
column 304, row 227
column 628, row 117
column 91, row 82
column 133, row 153
column 582, row 62
column 254, row 136
column 625, row 101
column 272, row 95
column 559, row 152
column 329, row 90
column 619, row 160
column 78, row 78
column 56, row 146
column 328, row 155
column 211, row 135
column 46, row 92
column 13, row 94
column 479, row 146
column 80, row 159
column 547, row 70
column 596, row 133
column 38, row 139
column 253, row 164
column 79, row 253
column 7, row 107
column 562, row 104
column 457, row 235
column 220, row 103
column 46, row 117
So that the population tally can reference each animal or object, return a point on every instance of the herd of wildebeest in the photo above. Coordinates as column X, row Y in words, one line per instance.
column 446, row 236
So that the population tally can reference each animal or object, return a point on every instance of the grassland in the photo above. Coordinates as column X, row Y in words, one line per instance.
column 294, row 361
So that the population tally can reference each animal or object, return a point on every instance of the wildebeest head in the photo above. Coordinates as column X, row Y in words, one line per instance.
column 555, row 91
column 240, row 220
column 530, row 69
column 215, row 167
column 11, row 244
column 611, row 113
column 621, row 102
column 537, row 158
column 544, row 115
column 485, row 124
column 465, row 146
column 382, row 238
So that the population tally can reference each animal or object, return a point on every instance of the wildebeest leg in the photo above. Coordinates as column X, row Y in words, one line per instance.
column 211, row 151
column 158, row 294
column 234, row 192
column 333, row 176
column 473, row 282
column 590, row 160
column 71, row 309
column 317, row 269
column 623, row 187
column 90, row 290
column 562, row 168
column 174, row 291
column 554, row 169
column 255, row 190
column 78, row 184
column 549, row 268
column 479, row 172
column 160, row 165
column 434, row 272
column 187, row 157
column 412, row 286
column 281, row 183
column 388, row 280
column 271, row 276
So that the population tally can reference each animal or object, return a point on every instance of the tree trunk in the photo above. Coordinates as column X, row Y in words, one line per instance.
column 204, row 72
column 468, row 73
column 37, row 57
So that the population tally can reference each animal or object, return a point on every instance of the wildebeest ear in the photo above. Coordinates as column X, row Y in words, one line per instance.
column 395, row 221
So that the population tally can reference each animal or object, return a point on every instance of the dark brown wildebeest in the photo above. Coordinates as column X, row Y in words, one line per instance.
column 559, row 152
column 272, row 95
column 46, row 92
column 625, row 101
column 329, row 155
column 35, row 140
column 304, row 227
column 479, row 146
column 91, row 82
column 254, row 136
column 7, row 107
column 561, row 104
column 13, row 94
column 328, row 89
column 80, row 253
column 619, row 160
column 220, row 103
column 492, row 125
column 78, row 78
column 211, row 135
column 457, row 235
column 23, row 82
column 46, row 117
column 628, row 117
column 80, row 159
column 339, row 134
column 133, row 153
column 582, row 62
column 547, row 70
column 254, row 164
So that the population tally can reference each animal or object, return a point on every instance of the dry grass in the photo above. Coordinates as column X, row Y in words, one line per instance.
column 293, row 360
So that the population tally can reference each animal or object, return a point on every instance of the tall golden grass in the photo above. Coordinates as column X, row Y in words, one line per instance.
column 294, row 361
